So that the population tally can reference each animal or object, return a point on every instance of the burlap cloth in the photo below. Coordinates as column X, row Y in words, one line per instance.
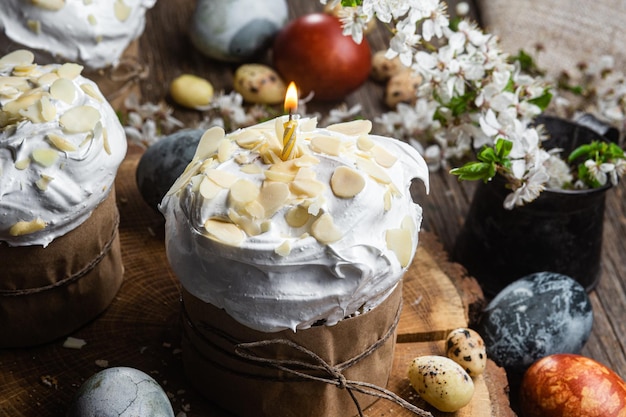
column 47, row 293
column 570, row 31
column 308, row 373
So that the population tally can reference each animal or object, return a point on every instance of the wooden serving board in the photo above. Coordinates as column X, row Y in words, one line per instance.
column 141, row 329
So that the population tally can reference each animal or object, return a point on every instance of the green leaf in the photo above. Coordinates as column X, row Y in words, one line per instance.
column 487, row 154
column 580, row 152
column 472, row 171
column 542, row 101
column 503, row 148
column 351, row 3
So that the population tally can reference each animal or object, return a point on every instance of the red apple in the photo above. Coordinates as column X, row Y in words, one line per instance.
column 313, row 52
column 563, row 385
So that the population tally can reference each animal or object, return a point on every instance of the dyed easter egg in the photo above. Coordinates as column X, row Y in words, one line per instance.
column 563, row 385
column 536, row 316
column 467, row 348
column 236, row 30
column 163, row 162
column 120, row 392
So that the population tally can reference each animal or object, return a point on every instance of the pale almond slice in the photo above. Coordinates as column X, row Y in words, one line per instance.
column 307, row 187
column 209, row 189
column 373, row 170
column 273, row 196
column 23, row 102
column 19, row 57
column 251, row 169
column 43, row 182
column 121, row 10
column 34, row 26
column 45, row 156
column 80, row 119
column 346, row 182
column 222, row 178
column 399, row 241
column 92, row 92
column 47, row 109
column 105, row 139
column 324, row 229
column 33, row 113
column 408, row 224
column 49, row 4
column 297, row 216
column 255, row 209
column 284, row 249
column 227, row 233
column 352, row 128
column 308, row 125
column 209, row 142
column 190, row 171
column 247, row 138
column 22, row 164
column 305, row 160
column 279, row 176
column 224, row 150
column 243, row 191
column 47, row 78
column 248, row 225
column 330, row 145
column 92, row 20
column 24, row 70
column 64, row 90
column 69, row 70
column 383, row 157
column 305, row 174
column 387, row 199
column 23, row 227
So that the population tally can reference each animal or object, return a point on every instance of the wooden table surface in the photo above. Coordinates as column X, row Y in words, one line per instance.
column 166, row 50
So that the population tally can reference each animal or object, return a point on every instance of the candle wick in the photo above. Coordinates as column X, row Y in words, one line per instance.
column 290, row 114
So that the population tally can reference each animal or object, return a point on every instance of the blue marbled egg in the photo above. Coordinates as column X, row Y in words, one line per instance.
column 163, row 162
column 537, row 315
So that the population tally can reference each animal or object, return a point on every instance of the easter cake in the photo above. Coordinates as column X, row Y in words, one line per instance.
column 61, row 144
column 292, row 257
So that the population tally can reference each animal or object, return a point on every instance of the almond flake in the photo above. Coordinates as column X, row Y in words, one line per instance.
column 19, row 57
column 324, row 230
column 190, row 171
column 105, row 140
column 330, row 145
column 49, row 4
column 255, row 209
column 278, row 176
column 23, row 227
column 297, row 216
column 47, row 79
column 251, row 227
column 346, row 182
column 45, row 156
column 408, row 224
column 92, row 20
column 222, row 178
column 305, row 160
column 24, row 70
column 92, row 92
column 224, row 150
column 387, row 198
column 209, row 143
column 80, row 119
column 247, row 138
column 23, row 102
column 209, row 189
column 399, row 241
column 69, row 70
column 383, row 157
column 307, row 187
column 122, row 11
column 74, row 343
column 243, row 191
column 34, row 26
column 22, row 164
column 373, row 170
column 284, row 249
column 227, row 233
column 61, row 143
column 64, row 90
column 273, row 196
column 43, row 181
column 352, row 128
column 251, row 169
column 48, row 111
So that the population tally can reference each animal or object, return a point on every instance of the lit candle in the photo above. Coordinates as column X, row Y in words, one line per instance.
column 289, row 135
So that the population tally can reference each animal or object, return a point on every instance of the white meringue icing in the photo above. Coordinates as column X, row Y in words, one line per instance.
column 61, row 144
column 93, row 33
column 268, row 272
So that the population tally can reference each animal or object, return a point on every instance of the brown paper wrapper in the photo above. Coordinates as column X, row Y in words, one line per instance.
column 47, row 293
column 360, row 348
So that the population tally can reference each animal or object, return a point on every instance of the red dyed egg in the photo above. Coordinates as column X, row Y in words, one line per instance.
column 564, row 385
column 313, row 52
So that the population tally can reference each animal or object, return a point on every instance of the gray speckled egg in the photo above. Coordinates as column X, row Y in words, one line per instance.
column 537, row 315
column 120, row 392
column 163, row 162
column 236, row 30
column 467, row 348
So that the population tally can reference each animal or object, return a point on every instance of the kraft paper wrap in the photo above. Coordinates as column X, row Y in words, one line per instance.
column 250, row 389
column 46, row 293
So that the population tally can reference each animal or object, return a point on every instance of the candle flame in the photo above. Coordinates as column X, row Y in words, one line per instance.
column 291, row 98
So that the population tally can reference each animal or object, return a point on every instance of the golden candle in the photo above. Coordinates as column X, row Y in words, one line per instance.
column 290, row 126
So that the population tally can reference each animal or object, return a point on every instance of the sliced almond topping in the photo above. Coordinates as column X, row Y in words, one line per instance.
column 23, row 102
column 48, row 78
column 279, row 176
column 122, row 11
column 64, row 90
column 297, row 216
column 209, row 143
column 251, row 169
column 92, row 20
column 34, row 26
column 91, row 91
column 22, row 164
column 255, row 209
column 306, row 160
column 373, row 170
column 330, row 145
column 19, row 57
column 308, row 125
column 284, row 249
column 190, row 171
column 399, row 241
column 387, row 198
column 105, row 140
column 209, row 189
column 305, row 174
column 346, row 182
column 23, row 228
column 243, row 191
column 383, row 157
column 24, row 70
column 247, row 138
column 352, row 128
column 324, row 230
column 224, row 150
column 49, row 4
column 222, row 178
column 69, row 70
column 248, row 225
column 273, row 196
column 43, row 181
column 227, row 233
column 80, row 119
column 33, row 113
column 48, row 111
column 408, row 224
column 307, row 187
column 45, row 156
